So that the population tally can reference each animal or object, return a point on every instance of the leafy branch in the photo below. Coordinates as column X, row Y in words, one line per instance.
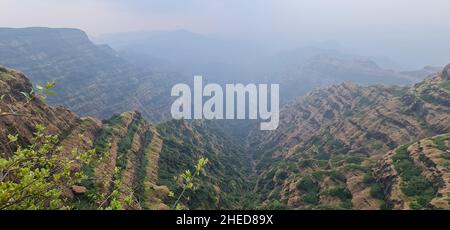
column 42, row 93
column 187, row 181
column 33, row 176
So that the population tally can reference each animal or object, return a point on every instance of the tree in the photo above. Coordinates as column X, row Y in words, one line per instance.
column 34, row 176
column 187, row 180
column 41, row 94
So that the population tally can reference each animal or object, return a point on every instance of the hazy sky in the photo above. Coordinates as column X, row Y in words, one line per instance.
column 414, row 31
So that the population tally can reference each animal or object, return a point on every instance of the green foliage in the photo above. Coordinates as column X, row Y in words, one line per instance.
column 227, row 180
column 404, row 164
column 364, row 101
column 281, row 175
column 276, row 205
column 399, row 91
column 28, row 95
column 341, row 192
column 357, row 167
column 32, row 178
column 377, row 146
column 369, row 179
column 376, row 191
column 13, row 138
column 249, row 201
column 188, row 181
column 120, row 197
column 442, row 142
column 125, row 144
column 326, row 207
column 102, row 142
column 42, row 93
column 307, row 184
column 142, row 169
column 445, row 85
column 334, row 174
column 47, row 89
column 311, row 198
column 6, row 75
column 413, row 184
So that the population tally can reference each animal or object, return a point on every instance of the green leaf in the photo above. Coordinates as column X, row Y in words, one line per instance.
column 179, row 207
column 13, row 138
column 50, row 92
column 190, row 185
column 26, row 95
column 50, row 85
column 171, row 194
column 40, row 127
column 3, row 163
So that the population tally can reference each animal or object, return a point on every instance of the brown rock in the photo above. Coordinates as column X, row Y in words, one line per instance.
column 78, row 190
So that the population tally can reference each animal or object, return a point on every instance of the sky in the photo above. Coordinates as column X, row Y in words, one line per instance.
column 409, row 31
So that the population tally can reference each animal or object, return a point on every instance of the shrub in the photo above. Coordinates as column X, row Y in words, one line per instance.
column 413, row 184
column 341, row 192
column 376, row 191
column 308, row 184
column 369, row 179
column 281, row 175
column 311, row 198
column 33, row 176
column 440, row 142
column 276, row 205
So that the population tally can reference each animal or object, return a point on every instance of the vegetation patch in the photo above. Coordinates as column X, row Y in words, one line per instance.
column 442, row 142
column 125, row 144
column 445, row 85
column 413, row 184
column 142, row 169
column 341, row 192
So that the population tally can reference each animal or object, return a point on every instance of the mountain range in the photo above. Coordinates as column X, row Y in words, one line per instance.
column 92, row 80
column 351, row 143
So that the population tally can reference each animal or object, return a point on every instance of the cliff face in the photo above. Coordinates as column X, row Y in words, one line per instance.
column 328, row 141
column 92, row 80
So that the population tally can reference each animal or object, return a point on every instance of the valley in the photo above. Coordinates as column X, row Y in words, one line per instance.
column 339, row 144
